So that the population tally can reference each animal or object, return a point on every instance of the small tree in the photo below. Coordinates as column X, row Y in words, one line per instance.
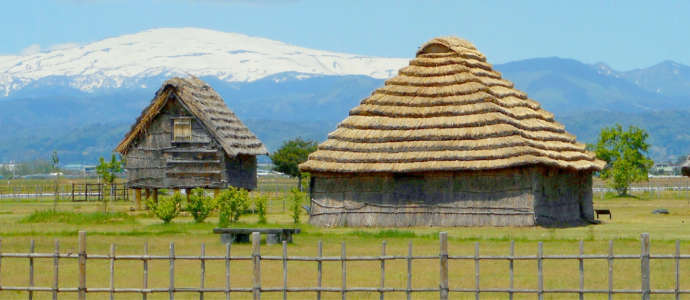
column 200, row 205
column 260, row 201
column 167, row 207
column 108, row 172
column 232, row 203
column 292, row 153
column 56, row 168
column 625, row 154
column 296, row 199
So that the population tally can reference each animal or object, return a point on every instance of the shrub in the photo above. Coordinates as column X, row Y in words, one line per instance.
column 167, row 208
column 232, row 203
column 260, row 201
column 296, row 199
column 200, row 205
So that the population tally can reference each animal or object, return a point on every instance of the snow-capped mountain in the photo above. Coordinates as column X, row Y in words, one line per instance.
column 125, row 61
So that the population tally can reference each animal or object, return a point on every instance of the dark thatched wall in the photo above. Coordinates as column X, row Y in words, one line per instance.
column 509, row 197
column 155, row 161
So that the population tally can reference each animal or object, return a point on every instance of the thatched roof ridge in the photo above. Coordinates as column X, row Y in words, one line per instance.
column 208, row 107
column 448, row 111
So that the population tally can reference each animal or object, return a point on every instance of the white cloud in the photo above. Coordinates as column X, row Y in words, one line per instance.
column 32, row 49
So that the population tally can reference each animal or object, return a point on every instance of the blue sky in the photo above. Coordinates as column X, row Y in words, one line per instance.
column 624, row 34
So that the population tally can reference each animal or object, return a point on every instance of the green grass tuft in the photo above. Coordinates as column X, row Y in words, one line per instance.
column 77, row 218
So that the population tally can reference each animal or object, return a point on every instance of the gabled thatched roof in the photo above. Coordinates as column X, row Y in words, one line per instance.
column 208, row 107
column 448, row 111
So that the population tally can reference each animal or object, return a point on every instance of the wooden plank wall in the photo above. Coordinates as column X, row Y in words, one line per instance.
column 494, row 198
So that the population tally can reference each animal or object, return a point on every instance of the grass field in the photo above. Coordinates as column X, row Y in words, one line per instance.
column 631, row 216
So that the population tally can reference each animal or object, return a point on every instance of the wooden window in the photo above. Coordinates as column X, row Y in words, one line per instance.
column 182, row 130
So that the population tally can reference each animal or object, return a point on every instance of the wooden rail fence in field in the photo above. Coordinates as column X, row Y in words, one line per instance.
column 72, row 191
column 98, row 191
column 257, row 289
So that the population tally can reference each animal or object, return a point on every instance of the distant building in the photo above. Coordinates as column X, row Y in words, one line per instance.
column 80, row 168
column 448, row 142
column 665, row 168
column 10, row 166
column 187, row 138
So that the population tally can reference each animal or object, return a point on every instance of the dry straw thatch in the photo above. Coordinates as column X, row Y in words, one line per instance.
column 208, row 107
column 448, row 111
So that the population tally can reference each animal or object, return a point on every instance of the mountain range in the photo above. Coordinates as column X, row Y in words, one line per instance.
column 81, row 100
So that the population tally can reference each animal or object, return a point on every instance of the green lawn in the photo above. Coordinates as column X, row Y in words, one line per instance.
column 631, row 217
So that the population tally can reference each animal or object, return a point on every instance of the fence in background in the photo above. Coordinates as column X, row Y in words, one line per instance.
column 71, row 191
column 99, row 191
column 33, row 191
column 257, row 289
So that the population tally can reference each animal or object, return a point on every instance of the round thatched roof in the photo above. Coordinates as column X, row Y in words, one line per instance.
column 448, row 111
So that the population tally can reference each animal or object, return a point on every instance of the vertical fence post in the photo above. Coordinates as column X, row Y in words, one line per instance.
column 171, row 286
column 581, row 262
column 610, row 261
column 511, row 261
column 644, row 265
column 476, row 270
column 0, row 262
column 256, row 258
column 285, row 273
column 56, row 268
column 112, row 271
column 409, row 271
column 319, row 269
column 32, row 248
column 145, row 262
column 72, row 191
column 202, row 262
column 343, row 266
column 227, row 271
column 443, row 258
column 383, row 270
column 82, row 265
column 677, row 261
column 540, row 274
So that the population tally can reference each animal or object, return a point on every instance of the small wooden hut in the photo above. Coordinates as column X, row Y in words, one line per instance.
column 448, row 142
column 685, row 168
column 187, row 138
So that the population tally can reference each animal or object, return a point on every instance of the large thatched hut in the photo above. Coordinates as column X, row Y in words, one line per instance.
column 448, row 142
column 187, row 138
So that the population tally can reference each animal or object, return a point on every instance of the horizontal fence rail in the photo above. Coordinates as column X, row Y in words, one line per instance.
column 444, row 288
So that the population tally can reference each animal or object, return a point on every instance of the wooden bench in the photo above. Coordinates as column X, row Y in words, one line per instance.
column 603, row 211
column 241, row 235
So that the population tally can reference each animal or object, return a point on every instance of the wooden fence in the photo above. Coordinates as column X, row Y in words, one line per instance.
column 99, row 191
column 256, row 289
column 72, row 191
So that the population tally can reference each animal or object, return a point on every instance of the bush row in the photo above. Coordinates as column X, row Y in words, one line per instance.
column 230, row 204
